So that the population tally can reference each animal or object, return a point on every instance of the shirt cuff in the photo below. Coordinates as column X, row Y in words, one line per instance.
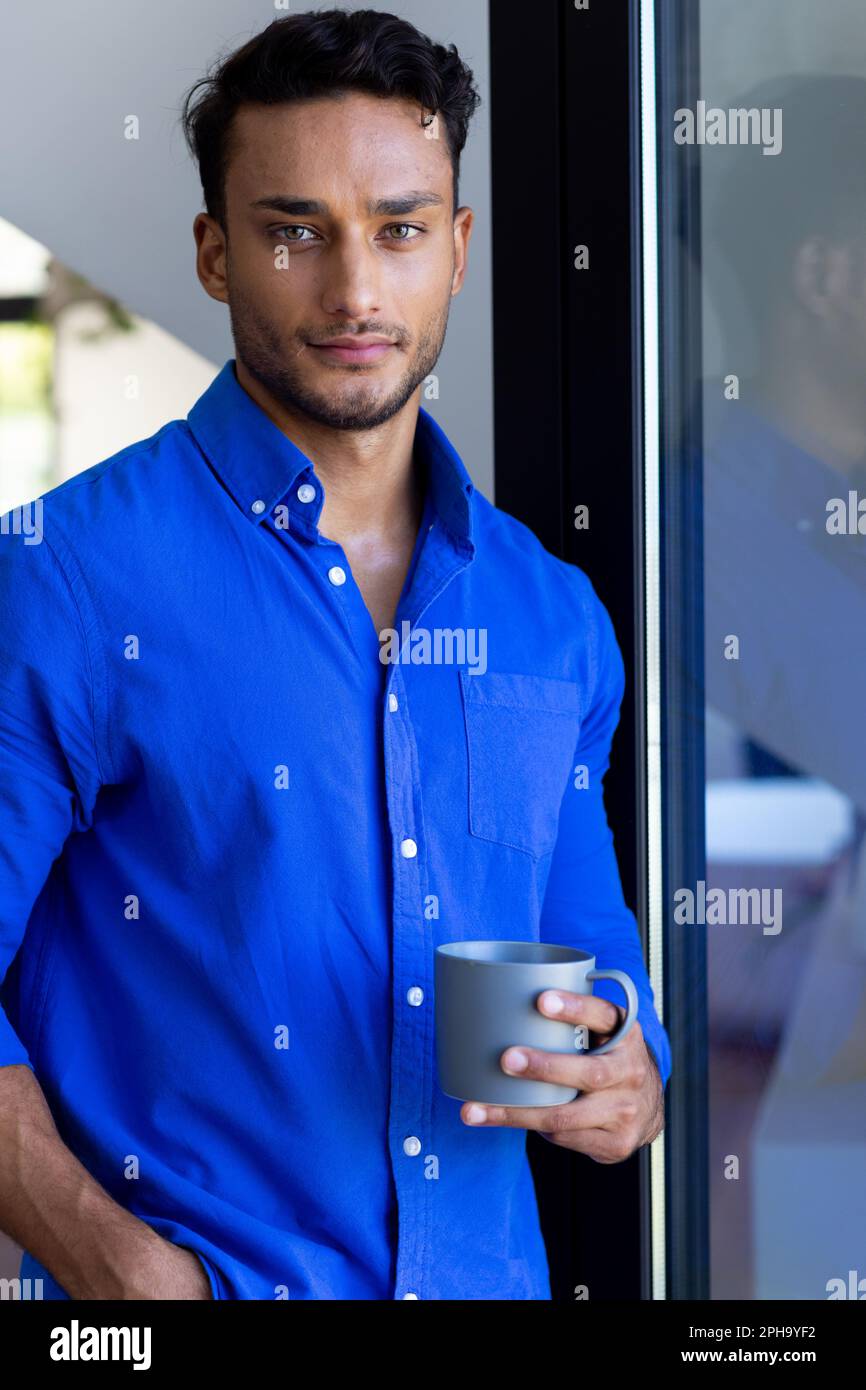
column 657, row 1043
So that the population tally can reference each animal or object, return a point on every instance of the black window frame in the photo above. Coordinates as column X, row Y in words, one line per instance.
column 565, row 99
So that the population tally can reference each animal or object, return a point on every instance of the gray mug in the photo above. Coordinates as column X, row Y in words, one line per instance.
column 486, row 994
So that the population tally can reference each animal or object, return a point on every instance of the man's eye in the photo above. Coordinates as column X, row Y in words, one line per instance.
column 294, row 233
column 403, row 227
column 292, row 228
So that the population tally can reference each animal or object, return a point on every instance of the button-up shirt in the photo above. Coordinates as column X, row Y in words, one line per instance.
column 231, row 838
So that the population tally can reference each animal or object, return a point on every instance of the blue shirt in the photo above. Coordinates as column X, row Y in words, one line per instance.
column 231, row 838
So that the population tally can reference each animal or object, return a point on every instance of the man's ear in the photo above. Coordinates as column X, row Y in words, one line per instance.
column 211, row 261
column 822, row 274
column 463, row 224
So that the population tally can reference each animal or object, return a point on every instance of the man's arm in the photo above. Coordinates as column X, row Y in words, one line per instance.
column 584, row 904
column 49, row 780
column 620, row 1106
column 51, row 1206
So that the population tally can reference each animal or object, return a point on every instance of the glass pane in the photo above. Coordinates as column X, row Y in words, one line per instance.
column 769, row 220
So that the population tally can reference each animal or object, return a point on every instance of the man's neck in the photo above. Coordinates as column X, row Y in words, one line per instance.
column 374, row 494
column 814, row 414
column 373, row 490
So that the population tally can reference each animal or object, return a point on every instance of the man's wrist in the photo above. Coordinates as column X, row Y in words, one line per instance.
column 655, row 1061
column 113, row 1255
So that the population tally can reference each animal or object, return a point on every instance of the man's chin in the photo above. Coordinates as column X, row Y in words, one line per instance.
column 351, row 409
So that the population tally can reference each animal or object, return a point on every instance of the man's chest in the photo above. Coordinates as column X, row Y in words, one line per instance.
column 267, row 695
column 380, row 571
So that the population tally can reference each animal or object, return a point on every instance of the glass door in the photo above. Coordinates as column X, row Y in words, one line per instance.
column 753, row 271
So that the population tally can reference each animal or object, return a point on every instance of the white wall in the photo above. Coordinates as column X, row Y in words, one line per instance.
column 120, row 211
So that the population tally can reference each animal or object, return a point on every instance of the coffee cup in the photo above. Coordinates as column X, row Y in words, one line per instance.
column 486, row 993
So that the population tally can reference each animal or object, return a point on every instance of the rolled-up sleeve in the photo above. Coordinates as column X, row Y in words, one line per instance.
column 584, row 904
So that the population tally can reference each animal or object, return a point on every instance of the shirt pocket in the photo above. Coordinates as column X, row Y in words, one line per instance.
column 521, row 736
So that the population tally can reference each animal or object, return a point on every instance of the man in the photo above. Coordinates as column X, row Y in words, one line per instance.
column 232, row 835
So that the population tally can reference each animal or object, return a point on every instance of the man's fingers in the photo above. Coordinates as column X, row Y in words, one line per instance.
column 603, row 1145
column 589, row 1113
column 599, row 1015
column 578, row 1069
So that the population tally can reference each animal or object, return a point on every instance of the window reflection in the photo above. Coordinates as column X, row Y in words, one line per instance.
column 784, row 468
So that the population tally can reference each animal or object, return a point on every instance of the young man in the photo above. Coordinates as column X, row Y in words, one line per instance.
column 232, row 833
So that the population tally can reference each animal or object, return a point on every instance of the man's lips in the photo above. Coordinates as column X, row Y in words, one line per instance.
column 354, row 349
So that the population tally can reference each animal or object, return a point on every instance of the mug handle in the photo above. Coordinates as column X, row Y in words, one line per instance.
column 631, row 1011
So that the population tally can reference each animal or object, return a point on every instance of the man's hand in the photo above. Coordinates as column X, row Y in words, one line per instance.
column 168, row 1271
column 52, row 1207
column 138, row 1263
column 621, row 1105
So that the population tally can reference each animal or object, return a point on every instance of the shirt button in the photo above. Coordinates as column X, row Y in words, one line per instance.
column 258, row 507
column 392, row 703
column 337, row 574
column 410, row 1295
column 411, row 1146
column 306, row 492
column 408, row 849
column 415, row 995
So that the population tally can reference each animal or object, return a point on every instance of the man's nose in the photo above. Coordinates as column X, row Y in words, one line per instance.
column 352, row 288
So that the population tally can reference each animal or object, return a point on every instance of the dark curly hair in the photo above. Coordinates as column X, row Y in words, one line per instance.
column 320, row 53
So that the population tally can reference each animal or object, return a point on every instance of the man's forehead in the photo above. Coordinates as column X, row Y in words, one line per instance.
column 355, row 114
column 386, row 147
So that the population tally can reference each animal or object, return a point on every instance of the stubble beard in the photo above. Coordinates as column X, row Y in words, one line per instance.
column 278, row 369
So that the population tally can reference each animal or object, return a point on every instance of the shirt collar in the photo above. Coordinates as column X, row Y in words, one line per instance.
column 258, row 463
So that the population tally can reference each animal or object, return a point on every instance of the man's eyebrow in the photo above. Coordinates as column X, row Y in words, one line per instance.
column 396, row 206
